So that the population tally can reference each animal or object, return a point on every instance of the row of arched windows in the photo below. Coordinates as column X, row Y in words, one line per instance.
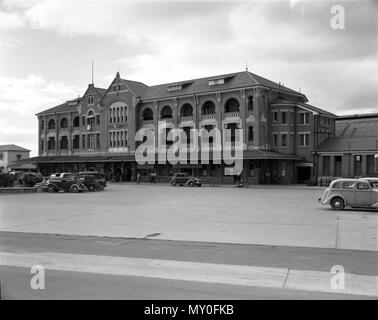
column 119, row 114
column 63, row 124
column 232, row 105
column 51, row 124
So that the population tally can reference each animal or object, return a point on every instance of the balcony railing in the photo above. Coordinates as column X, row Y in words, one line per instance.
column 168, row 120
column 235, row 114
column 186, row 118
column 210, row 116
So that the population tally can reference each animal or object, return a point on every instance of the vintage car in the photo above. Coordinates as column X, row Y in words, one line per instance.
column 185, row 179
column 65, row 181
column 99, row 177
column 355, row 193
column 90, row 183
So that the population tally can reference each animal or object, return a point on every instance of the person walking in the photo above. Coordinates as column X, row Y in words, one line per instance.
column 138, row 177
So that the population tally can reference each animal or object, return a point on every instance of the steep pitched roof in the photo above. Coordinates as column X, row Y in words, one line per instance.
column 201, row 85
column 12, row 147
column 138, row 88
column 100, row 91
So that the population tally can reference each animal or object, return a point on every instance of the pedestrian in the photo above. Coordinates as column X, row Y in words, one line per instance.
column 154, row 176
column 138, row 177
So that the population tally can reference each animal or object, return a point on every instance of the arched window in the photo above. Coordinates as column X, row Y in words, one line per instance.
column 208, row 108
column 76, row 122
column 166, row 113
column 148, row 114
column 186, row 110
column 90, row 118
column 51, row 124
column 250, row 103
column 232, row 105
column 63, row 123
column 117, row 112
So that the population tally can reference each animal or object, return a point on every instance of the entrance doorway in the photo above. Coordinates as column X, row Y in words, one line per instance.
column 303, row 174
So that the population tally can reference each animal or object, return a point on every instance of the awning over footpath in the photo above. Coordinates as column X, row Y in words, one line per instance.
column 250, row 154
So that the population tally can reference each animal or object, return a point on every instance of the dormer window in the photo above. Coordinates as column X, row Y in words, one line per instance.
column 215, row 82
column 175, row 87
column 90, row 99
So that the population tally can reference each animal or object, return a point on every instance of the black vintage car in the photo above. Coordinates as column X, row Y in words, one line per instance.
column 99, row 177
column 90, row 183
column 65, row 181
column 182, row 179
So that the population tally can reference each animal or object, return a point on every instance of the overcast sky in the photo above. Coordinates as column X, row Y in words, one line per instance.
column 46, row 48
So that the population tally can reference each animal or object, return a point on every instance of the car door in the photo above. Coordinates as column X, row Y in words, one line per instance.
column 180, row 178
column 363, row 194
column 348, row 192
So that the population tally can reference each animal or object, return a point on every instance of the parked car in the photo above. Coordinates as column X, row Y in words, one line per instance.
column 90, row 183
column 99, row 177
column 185, row 179
column 355, row 193
column 65, row 181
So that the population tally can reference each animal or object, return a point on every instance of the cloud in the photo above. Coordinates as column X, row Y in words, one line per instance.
column 20, row 99
column 158, row 42
column 10, row 20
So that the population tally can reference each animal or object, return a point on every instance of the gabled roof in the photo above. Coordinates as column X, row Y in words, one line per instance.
column 201, row 85
column 12, row 147
column 349, row 144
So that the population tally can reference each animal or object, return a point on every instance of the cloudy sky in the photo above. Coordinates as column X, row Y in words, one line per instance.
column 46, row 48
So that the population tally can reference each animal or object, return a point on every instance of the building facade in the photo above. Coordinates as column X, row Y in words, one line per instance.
column 9, row 154
column 281, row 131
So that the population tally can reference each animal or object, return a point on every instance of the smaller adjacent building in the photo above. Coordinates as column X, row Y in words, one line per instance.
column 353, row 152
column 9, row 154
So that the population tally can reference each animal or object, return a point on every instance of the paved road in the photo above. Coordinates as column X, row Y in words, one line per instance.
column 109, row 283
column 272, row 216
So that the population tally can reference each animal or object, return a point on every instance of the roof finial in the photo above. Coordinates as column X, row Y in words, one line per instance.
column 246, row 66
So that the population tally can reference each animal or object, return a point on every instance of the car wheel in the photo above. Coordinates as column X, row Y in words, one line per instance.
column 51, row 189
column 92, row 188
column 337, row 204
column 74, row 189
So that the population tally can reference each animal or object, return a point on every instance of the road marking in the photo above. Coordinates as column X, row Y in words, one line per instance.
column 279, row 278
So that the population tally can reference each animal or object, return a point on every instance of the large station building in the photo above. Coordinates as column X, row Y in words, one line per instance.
column 281, row 130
